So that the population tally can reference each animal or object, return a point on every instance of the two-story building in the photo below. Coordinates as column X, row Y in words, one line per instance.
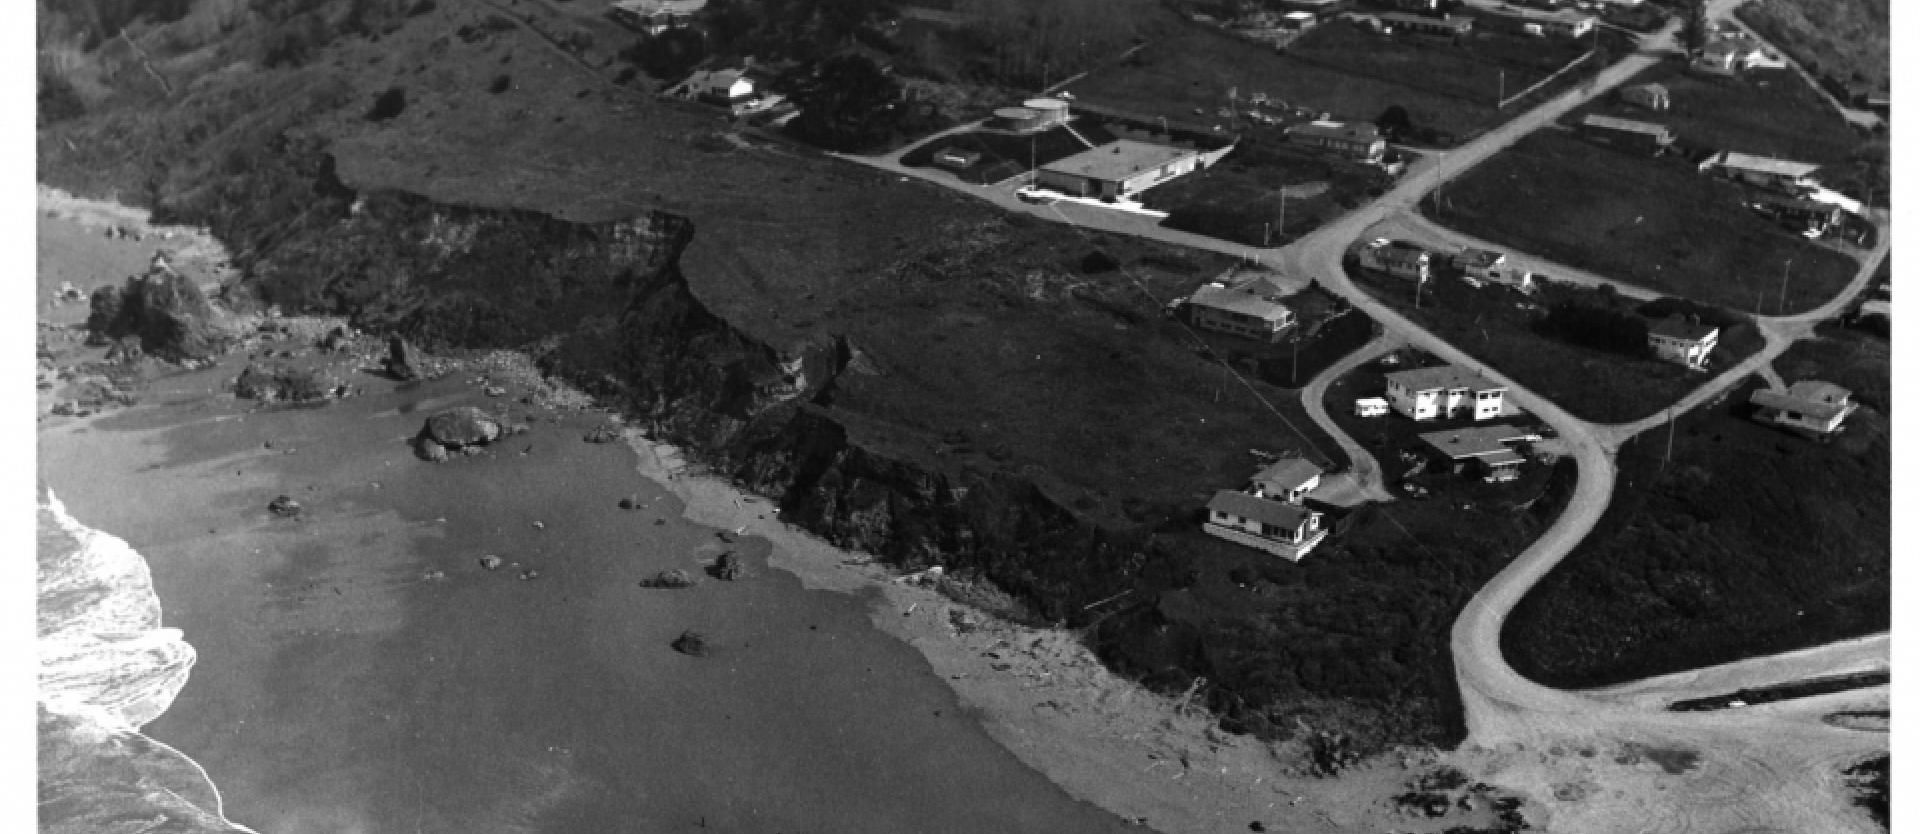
column 1249, row 307
column 1484, row 451
column 1354, row 140
column 1287, row 479
column 1446, row 392
column 1810, row 406
column 1684, row 340
column 1398, row 259
column 1628, row 134
column 1285, row 530
column 1484, row 265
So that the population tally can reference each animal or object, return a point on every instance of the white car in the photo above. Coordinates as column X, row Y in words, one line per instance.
column 1030, row 194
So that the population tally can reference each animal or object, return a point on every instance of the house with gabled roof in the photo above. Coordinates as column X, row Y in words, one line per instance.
column 1446, row 392
column 1397, row 258
column 1810, row 406
column 1683, row 339
column 1285, row 530
column 1354, row 140
column 1249, row 307
column 1288, row 479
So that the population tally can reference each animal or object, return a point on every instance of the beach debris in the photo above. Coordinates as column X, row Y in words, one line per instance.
column 494, row 391
column 630, row 502
column 529, row 574
column 491, row 562
column 729, row 536
column 284, row 507
column 675, row 578
column 930, row 576
column 433, row 576
column 691, row 643
column 727, row 568
column 539, row 525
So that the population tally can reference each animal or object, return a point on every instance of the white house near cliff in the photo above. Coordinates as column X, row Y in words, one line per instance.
column 1447, row 392
column 1285, row 530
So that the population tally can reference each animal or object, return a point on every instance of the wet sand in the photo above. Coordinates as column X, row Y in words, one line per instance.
column 338, row 689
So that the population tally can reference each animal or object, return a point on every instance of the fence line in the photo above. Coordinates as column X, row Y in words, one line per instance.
column 1544, row 81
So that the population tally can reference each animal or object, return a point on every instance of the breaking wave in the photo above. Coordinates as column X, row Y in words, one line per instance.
column 107, row 669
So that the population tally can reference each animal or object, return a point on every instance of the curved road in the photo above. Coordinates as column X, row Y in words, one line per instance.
column 1766, row 768
column 1366, row 471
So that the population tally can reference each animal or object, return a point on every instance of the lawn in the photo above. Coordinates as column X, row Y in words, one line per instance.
column 1266, row 192
column 1654, row 223
column 1747, row 541
column 1846, row 39
column 1498, row 325
column 1335, row 68
column 1468, row 71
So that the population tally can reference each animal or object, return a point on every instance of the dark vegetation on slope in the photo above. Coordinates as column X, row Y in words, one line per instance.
column 1748, row 540
column 907, row 371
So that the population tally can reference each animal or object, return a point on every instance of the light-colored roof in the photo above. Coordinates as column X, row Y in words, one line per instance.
column 1259, row 298
column 1401, row 251
column 1288, row 473
column 1461, row 23
column 1016, row 113
column 1044, row 104
column 652, row 7
column 1766, row 165
column 1562, row 16
column 1445, row 377
column 1656, row 89
column 1630, row 125
column 1262, row 510
column 1298, row 16
column 1676, row 327
column 1821, row 400
column 1476, row 441
column 1379, row 401
column 1118, row 160
column 1350, row 131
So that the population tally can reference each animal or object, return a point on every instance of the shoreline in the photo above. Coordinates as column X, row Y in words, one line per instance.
column 1044, row 696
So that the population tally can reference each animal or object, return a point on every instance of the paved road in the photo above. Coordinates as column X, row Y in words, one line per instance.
column 1365, row 471
column 1763, row 767
column 1413, row 226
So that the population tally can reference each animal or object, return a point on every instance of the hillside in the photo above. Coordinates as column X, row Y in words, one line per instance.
column 1844, row 39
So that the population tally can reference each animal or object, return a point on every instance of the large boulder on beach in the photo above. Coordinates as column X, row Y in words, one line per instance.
column 692, row 643
column 164, row 310
column 279, row 382
column 728, row 567
column 669, row 579
column 458, row 428
column 400, row 360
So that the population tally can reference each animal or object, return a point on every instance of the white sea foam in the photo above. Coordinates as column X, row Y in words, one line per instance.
column 107, row 666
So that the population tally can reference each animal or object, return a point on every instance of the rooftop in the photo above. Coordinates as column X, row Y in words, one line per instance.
column 1656, row 89
column 1288, row 473
column 653, row 7
column 1630, row 125
column 1444, row 377
column 1259, row 298
column 1258, row 509
column 1117, row 161
column 1675, row 327
column 1766, row 165
column 1566, row 16
column 1352, row 131
column 1821, row 400
column 1478, row 258
column 1488, row 442
column 1405, row 19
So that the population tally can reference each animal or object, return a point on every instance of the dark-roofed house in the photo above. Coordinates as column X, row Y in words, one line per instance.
column 1808, row 405
column 1355, row 140
column 1684, row 340
column 1483, row 264
column 1118, row 169
column 1483, row 450
column 1398, row 259
column 1632, row 135
column 1439, row 27
column 1447, row 392
column 1649, row 96
column 1284, row 530
column 1287, row 479
column 1250, row 308
column 1798, row 212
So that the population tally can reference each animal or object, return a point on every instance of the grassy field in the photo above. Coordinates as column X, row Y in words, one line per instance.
column 1766, row 112
column 1355, row 76
column 1842, row 38
column 1469, row 71
column 1655, row 223
column 1497, row 326
column 1240, row 198
column 1748, row 541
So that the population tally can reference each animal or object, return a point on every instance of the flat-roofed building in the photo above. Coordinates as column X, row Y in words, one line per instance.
column 1118, row 169
column 1247, row 307
column 1630, row 134
column 1446, row 392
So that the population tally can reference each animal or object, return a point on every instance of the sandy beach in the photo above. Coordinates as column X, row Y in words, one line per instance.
column 360, row 671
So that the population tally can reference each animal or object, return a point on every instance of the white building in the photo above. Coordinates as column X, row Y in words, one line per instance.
column 1119, row 169
column 1251, row 308
column 1284, row 530
column 1683, row 340
column 1447, row 392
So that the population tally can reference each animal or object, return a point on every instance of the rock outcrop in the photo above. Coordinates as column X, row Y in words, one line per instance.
column 462, row 430
column 164, row 311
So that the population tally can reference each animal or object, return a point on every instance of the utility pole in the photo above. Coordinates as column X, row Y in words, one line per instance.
column 1501, row 102
column 1283, row 211
column 1266, row 236
column 1785, row 273
column 1669, row 455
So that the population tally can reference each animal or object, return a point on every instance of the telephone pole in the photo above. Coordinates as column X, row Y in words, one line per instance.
column 1669, row 455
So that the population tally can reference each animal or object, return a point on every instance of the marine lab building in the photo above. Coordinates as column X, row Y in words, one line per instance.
column 1119, row 169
